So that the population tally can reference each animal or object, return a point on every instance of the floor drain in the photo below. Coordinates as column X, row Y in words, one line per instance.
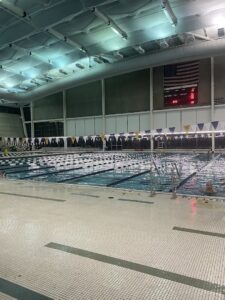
column 110, row 197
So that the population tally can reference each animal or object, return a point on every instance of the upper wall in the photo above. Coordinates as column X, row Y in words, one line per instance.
column 84, row 100
column 50, row 107
column 127, row 93
column 11, row 125
column 219, row 71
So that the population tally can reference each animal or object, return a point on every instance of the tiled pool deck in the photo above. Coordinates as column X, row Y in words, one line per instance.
column 63, row 241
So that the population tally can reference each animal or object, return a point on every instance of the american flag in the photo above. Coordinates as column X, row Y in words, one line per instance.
column 181, row 75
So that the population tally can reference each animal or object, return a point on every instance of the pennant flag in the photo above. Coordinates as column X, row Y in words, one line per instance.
column 215, row 124
column 39, row 140
column 73, row 138
column 159, row 130
column 46, row 141
column 17, row 140
column 172, row 129
column 200, row 126
column 187, row 128
column 50, row 139
column 11, row 139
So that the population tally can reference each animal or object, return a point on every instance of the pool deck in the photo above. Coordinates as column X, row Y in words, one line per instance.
column 62, row 241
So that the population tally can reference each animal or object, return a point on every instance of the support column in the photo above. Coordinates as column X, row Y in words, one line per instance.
column 212, row 101
column 32, row 119
column 64, row 120
column 151, row 110
column 23, row 121
column 103, row 113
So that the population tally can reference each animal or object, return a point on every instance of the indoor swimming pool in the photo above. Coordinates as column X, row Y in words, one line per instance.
column 187, row 173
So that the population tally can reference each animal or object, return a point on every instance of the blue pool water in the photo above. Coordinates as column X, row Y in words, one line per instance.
column 141, row 171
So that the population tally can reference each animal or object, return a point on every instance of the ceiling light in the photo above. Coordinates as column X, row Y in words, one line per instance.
column 63, row 72
column 118, row 55
column 163, row 44
column 219, row 21
column 104, row 60
column 109, row 22
column 35, row 82
column 80, row 66
column 118, row 31
column 139, row 49
column 169, row 12
column 97, row 60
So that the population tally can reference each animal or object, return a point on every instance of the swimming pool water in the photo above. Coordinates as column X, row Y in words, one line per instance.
column 140, row 171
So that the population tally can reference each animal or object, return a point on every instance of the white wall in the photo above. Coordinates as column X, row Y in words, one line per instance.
column 141, row 121
column 11, row 125
column 84, row 126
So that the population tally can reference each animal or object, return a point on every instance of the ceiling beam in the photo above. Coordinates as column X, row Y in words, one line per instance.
column 67, row 40
column 167, row 9
column 109, row 22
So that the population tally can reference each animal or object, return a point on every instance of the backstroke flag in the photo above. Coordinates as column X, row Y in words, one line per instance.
column 181, row 83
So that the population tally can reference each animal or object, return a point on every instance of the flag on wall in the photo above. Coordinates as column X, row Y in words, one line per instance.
column 181, row 83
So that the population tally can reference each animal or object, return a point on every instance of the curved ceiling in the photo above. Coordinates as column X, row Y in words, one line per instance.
column 46, row 45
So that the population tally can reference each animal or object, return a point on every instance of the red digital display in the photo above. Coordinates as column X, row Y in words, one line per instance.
column 183, row 96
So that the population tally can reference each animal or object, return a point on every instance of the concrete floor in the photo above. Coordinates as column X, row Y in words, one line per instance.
column 76, row 242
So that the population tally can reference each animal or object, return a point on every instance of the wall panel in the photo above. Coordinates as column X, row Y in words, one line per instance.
column 71, row 127
column 49, row 108
column 89, row 125
column 144, row 121
column 219, row 114
column 110, row 125
column 203, row 115
column 84, row 100
column 174, row 119
column 159, row 120
column 121, row 124
column 133, row 123
column 98, row 126
column 188, row 117
column 127, row 93
column 10, row 125
column 80, row 127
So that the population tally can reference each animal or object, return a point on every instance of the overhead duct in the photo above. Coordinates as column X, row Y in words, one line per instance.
column 172, row 55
